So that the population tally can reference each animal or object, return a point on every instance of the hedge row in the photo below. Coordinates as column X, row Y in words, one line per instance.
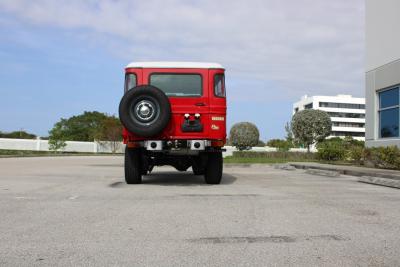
column 355, row 152
column 334, row 150
column 273, row 154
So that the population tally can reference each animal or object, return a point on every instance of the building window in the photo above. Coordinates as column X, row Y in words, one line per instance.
column 348, row 124
column 344, row 134
column 308, row 106
column 389, row 113
column 341, row 105
column 346, row 115
column 296, row 110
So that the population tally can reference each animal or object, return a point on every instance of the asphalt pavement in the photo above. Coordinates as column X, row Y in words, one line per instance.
column 77, row 211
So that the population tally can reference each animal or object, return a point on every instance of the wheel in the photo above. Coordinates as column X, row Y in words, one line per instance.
column 145, row 110
column 133, row 169
column 213, row 171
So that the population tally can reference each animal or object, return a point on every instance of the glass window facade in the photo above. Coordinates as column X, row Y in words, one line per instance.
column 344, row 134
column 341, row 105
column 389, row 98
column 389, row 113
column 308, row 106
column 346, row 115
column 348, row 124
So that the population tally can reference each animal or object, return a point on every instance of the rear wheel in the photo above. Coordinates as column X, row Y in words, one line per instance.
column 133, row 169
column 213, row 171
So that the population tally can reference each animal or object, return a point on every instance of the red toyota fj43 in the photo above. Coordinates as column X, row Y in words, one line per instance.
column 174, row 113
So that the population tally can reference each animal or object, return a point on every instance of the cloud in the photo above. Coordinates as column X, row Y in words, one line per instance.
column 285, row 48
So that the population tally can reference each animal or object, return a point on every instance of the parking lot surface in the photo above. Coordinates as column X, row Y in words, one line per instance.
column 65, row 211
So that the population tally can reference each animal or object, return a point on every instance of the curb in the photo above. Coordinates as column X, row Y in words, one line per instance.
column 343, row 170
column 372, row 176
column 380, row 181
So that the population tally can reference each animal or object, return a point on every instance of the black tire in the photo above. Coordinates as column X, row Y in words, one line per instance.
column 149, row 96
column 213, row 171
column 133, row 167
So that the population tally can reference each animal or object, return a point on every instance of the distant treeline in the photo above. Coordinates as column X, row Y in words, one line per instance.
column 17, row 135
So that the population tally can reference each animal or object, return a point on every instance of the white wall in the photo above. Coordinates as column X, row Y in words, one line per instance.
column 382, row 62
column 382, row 32
column 95, row 147
column 42, row 145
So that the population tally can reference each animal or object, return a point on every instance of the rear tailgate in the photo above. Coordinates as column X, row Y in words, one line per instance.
column 181, row 105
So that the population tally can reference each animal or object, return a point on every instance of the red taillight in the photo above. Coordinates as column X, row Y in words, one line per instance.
column 218, row 143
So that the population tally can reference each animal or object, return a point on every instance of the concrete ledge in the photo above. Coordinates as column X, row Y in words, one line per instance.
column 286, row 167
column 323, row 172
column 350, row 170
column 380, row 181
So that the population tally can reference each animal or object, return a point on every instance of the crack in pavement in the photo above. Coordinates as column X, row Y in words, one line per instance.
column 266, row 239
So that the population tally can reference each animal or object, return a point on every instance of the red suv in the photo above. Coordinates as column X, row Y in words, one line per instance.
column 174, row 113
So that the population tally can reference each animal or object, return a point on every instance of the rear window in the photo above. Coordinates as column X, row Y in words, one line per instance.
column 219, row 85
column 130, row 81
column 178, row 84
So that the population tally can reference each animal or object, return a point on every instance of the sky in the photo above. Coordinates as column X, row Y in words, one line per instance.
column 60, row 58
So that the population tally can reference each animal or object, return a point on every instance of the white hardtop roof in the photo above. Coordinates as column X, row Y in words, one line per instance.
column 171, row 64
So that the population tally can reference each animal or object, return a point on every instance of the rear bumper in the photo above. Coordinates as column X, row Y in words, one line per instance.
column 160, row 145
column 178, row 146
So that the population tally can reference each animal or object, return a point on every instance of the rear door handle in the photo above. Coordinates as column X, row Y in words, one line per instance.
column 200, row 104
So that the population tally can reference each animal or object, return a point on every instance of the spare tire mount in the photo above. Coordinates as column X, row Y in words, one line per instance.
column 145, row 110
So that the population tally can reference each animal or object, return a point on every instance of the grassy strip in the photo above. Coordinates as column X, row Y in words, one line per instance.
column 5, row 153
column 232, row 159
column 263, row 160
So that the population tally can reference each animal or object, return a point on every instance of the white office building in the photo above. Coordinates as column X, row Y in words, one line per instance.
column 382, row 73
column 347, row 113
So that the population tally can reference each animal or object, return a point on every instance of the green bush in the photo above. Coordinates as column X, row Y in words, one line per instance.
column 280, row 144
column 384, row 157
column 244, row 135
column 356, row 154
column 273, row 154
column 337, row 148
column 351, row 150
column 331, row 149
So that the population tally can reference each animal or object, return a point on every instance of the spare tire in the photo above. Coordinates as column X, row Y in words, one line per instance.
column 145, row 110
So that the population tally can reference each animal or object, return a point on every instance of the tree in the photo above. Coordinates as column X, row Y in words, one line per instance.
column 18, row 135
column 311, row 126
column 84, row 127
column 110, row 133
column 57, row 138
column 244, row 135
column 289, row 133
column 88, row 126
